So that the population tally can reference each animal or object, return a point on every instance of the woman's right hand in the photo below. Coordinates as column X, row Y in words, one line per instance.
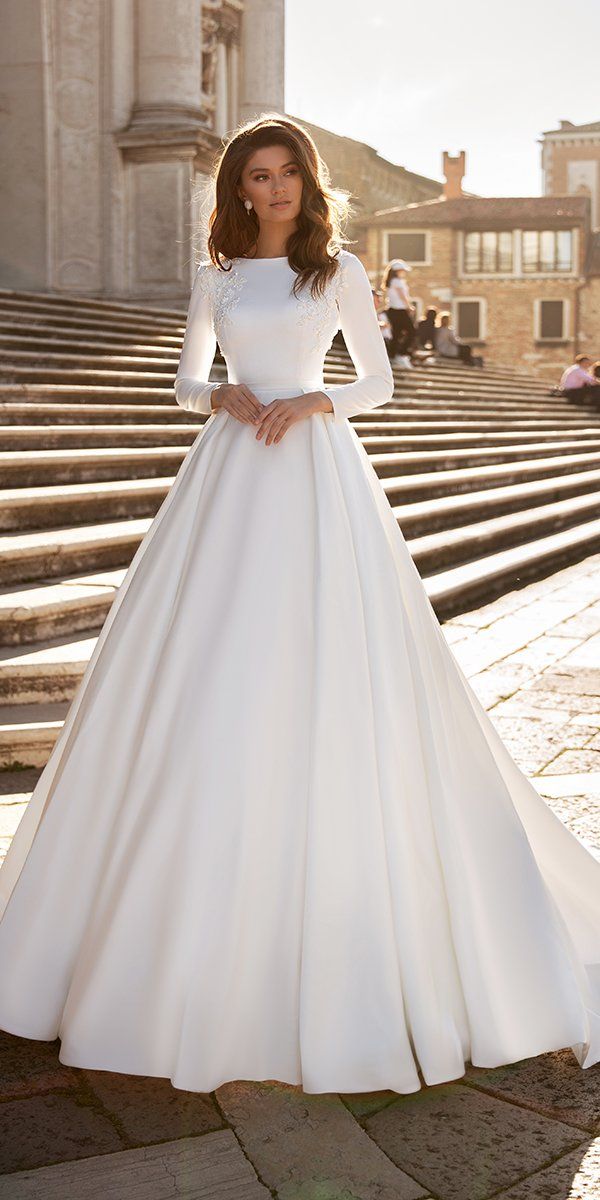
column 238, row 400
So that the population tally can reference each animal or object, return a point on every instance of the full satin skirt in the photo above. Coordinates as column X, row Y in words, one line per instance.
column 278, row 836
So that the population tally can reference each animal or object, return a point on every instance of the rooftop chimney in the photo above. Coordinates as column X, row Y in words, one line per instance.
column 454, row 167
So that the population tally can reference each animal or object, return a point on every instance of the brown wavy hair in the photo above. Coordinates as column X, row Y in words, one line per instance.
column 312, row 249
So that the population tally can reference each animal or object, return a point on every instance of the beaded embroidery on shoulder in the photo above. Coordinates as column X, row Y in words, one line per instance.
column 317, row 312
column 224, row 289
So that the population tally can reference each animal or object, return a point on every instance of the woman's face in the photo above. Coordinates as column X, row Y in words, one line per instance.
column 271, row 179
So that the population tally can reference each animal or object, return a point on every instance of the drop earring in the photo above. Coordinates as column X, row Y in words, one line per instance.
column 248, row 205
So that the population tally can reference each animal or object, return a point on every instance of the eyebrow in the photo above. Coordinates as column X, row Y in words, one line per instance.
column 287, row 164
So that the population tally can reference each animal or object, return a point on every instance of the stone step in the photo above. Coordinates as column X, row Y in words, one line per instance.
column 56, row 552
column 476, row 386
column 57, row 333
column 440, row 550
column 69, row 318
column 452, row 370
column 28, row 733
column 434, row 421
column 78, row 503
column 447, row 512
column 88, row 324
column 47, row 672
column 49, row 610
column 137, row 377
column 142, row 318
column 463, row 587
column 43, row 415
column 27, row 468
column 59, row 302
column 77, row 549
column 50, row 671
column 29, row 730
column 19, row 349
column 459, row 438
column 24, row 364
column 430, row 484
column 33, row 467
column 34, row 414
column 441, row 407
column 75, row 504
column 15, row 437
column 448, row 459
column 82, row 394
column 24, row 367
column 143, row 381
column 130, row 359
column 97, row 435
column 23, row 344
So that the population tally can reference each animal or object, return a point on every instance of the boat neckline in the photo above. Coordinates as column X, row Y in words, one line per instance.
column 269, row 258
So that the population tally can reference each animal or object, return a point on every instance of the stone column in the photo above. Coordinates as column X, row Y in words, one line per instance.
column 263, row 49
column 221, row 91
column 167, row 141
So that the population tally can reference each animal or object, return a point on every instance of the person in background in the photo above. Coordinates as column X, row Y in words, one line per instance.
column 399, row 312
column 447, row 345
column 579, row 381
column 383, row 319
column 426, row 330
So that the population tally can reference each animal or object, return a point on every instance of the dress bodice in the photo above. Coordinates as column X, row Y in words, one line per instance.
column 273, row 339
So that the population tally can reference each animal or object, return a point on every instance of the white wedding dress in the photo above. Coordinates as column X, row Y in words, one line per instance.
column 278, row 836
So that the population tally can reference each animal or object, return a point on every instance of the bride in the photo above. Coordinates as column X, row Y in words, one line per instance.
column 278, row 836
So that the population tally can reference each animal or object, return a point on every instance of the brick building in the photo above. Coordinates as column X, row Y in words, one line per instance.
column 521, row 275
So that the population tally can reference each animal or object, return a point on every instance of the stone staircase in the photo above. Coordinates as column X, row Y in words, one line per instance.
column 493, row 482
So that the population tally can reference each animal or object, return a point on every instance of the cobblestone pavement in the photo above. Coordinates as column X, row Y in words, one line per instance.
column 527, row 1131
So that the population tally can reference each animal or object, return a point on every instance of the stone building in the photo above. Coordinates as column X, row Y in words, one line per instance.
column 571, row 163
column 521, row 275
column 112, row 114
column 373, row 181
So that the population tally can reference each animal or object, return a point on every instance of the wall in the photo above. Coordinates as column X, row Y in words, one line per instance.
column 23, row 232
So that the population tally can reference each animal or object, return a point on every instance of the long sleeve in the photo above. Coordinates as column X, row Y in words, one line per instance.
column 192, row 387
column 366, row 346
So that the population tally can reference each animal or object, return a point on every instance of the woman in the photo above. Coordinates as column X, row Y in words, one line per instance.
column 447, row 344
column 278, row 836
column 399, row 311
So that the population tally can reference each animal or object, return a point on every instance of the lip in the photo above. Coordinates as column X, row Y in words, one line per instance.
column 280, row 203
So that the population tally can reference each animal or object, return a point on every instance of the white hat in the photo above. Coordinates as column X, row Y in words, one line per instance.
column 399, row 264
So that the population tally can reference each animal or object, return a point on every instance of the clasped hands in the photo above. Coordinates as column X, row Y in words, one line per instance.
column 272, row 420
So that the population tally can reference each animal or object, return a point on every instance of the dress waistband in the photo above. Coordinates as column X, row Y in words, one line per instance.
column 272, row 387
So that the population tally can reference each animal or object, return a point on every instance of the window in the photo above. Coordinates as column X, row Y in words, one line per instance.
column 550, row 320
column 547, row 251
column 488, row 253
column 411, row 246
column 469, row 319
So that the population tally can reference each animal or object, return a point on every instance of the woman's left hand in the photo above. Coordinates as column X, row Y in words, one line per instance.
column 279, row 416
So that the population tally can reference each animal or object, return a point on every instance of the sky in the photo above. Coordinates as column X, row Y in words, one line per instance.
column 414, row 79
